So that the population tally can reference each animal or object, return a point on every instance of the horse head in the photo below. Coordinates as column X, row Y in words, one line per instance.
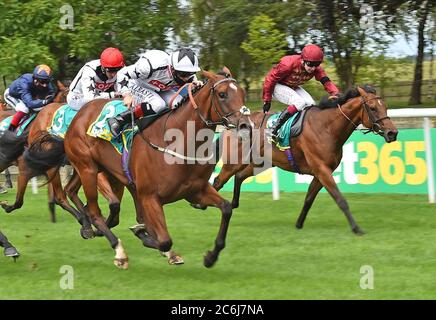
column 61, row 95
column 227, row 101
column 374, row 114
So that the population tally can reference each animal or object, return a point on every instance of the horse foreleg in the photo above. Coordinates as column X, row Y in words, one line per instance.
column 324, row 175
column 86, row 231
column 210, row 197
column 312, row 192
column 226, row 172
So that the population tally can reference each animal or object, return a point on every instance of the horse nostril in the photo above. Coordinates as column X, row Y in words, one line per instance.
column 392, row 134
column 243, row 126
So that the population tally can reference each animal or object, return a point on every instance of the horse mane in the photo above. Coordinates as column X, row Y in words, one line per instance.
column 325, row 103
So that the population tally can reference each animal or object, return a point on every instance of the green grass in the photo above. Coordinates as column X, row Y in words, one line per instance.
column 265, row 257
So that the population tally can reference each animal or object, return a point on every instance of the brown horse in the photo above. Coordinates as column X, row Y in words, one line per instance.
column 318, row 149
column 157, row 181
column 11, row 148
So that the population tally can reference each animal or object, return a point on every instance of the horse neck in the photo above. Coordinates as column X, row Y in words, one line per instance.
column 186, row 113
column 351, row 109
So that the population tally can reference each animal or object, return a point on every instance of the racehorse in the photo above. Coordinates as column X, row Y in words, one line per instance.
column 12, row 147
column 156, row 182
column 317, row 151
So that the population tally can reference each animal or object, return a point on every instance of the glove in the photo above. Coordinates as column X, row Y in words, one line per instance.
column 334, row 97
column 266, row 106
column 49, row 99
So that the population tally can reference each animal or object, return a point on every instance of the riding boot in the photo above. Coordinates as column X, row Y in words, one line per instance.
column 284, row 116
column 117, row 123
column 16, row 120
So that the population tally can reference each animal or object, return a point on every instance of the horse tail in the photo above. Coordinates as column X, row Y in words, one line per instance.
column 46, row 152
column 11, row 146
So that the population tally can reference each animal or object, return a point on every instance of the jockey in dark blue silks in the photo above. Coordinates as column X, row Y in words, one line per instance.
column 30, row 92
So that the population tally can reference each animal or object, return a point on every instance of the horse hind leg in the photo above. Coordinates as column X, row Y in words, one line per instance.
column 8, row 183
column 51, row 203
column 314, row 187
column 9, row 249
column 239, row 178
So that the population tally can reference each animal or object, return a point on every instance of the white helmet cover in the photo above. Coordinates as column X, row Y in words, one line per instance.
column 184, row 60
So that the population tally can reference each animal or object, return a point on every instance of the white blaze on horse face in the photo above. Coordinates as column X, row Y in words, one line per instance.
column 233, row 86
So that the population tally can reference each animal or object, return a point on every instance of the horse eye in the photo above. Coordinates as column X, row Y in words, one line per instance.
column 222, row 95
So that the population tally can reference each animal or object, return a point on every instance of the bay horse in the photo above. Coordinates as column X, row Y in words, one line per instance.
column 317, row 151
column 157, row 181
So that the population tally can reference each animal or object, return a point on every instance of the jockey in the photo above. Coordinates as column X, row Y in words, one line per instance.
column 284, row 80
column 152, row 82
column 30, row 92
column 96, row 79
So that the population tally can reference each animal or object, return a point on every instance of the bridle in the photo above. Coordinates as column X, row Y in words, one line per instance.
column 224, row 119
column 375, row 122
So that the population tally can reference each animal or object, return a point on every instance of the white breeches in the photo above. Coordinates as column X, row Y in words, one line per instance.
column 17, row 104
column 297, row 97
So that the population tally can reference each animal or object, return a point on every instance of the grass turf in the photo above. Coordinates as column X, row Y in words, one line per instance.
column 265, row 256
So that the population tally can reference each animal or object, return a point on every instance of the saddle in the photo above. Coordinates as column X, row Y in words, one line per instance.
column 292, row 128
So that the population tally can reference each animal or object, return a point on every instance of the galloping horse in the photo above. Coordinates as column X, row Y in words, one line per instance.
column 156, row 181
column 11, row 149
column 318, row 149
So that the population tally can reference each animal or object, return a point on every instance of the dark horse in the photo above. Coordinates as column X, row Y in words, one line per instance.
column 157, row 181
column 318, row 149
column 9, row 249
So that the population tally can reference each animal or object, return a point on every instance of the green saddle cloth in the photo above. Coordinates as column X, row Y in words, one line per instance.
column 61, row 121
column 4, row 125
column 283, row 136
column 100, row 127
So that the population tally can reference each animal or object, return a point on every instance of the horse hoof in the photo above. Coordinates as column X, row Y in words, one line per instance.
column 11, row 252
column 122, row 263
column 235, row 205
column 198, row 206
column 209, row 259
column 358, row 231
column 87, row 233
column 175, row 260
column 299, row 225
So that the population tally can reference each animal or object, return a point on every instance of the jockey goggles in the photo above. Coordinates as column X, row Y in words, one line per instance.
column 42, row 81
column 312, row 63
column 184, row 74
column 112, row 70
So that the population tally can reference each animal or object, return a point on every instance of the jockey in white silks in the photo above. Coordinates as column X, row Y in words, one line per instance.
column 96, row 79
column 151, row 83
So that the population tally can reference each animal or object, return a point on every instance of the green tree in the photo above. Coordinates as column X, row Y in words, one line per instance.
column 265, row 42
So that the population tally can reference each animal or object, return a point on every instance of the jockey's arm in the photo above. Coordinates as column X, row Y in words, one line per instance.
column 26, row 97
column 89, row 90
column 329, row 86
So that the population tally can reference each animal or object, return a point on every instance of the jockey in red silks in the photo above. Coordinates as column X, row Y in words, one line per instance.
column 284, row 80
column 149, row 85
column 30, row 92
column 96, row 79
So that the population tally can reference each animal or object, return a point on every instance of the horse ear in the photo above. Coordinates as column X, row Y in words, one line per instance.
column 60, row 85
column 361, row 91
column 207, row 74
column 227, row 71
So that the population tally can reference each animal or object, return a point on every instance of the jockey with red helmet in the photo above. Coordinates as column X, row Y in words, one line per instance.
column 96, row 79
column 30, row 92
column 284, row 80
column 152, row 82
